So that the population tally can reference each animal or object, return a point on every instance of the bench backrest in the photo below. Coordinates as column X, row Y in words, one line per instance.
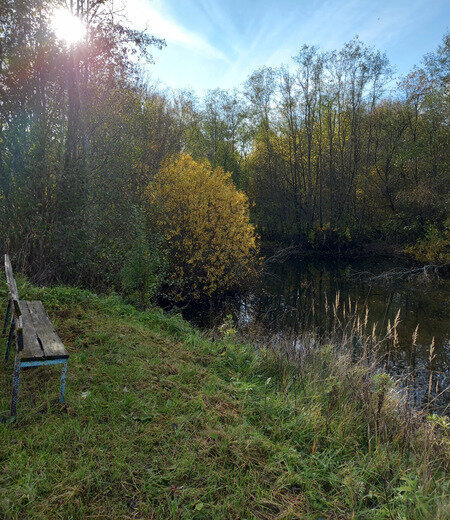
column 12, row 286
column 14, row 299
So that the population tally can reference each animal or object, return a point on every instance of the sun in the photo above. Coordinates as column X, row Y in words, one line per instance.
column 66, row 26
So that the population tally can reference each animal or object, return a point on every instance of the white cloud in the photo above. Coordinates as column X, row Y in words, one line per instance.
column 144, row 16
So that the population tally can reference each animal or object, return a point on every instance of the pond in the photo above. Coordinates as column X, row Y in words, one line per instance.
column 295, row 296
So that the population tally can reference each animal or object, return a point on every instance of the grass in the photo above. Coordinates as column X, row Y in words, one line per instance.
column 162, row 423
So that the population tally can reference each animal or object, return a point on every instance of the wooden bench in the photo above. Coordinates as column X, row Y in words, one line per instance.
column 35, row 338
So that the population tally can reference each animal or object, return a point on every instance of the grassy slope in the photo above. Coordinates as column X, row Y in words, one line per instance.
column 178, row 427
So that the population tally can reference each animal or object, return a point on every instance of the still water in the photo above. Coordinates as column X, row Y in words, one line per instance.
column 290, row 298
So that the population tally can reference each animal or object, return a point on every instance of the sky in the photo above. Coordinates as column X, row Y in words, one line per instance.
column 219, row 43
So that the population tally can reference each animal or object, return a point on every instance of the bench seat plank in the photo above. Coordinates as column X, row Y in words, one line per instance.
column 31, row 347
column 49, row 339
column 40, row 340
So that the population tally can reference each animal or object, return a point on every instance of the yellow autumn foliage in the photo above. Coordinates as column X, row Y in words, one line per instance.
column 206, row 224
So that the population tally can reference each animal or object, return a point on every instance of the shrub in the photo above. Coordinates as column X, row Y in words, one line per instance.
column 205, row 220
column 144, row 266
column 329, row 238
column 435, row 247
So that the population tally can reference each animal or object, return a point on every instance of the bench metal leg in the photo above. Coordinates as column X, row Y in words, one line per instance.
column 62, row 390
column 25, row 364
column 15, row 388
column 8, row 312
column 10, row 337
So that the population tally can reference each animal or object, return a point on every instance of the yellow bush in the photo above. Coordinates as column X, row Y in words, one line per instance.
column 205, row 221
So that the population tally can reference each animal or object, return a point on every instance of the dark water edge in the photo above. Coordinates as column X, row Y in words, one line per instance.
column 294, row 297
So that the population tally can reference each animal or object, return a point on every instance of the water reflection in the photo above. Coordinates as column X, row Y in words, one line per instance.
column 296, row 295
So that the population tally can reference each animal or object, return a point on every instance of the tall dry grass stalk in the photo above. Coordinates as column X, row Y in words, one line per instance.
column 431, row 357
column 344, row 369
column 348, row 328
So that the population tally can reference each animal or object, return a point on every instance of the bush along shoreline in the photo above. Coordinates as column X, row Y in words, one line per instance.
column 163, row 421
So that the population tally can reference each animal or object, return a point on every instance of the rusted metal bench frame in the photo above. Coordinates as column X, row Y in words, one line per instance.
column 14, row 319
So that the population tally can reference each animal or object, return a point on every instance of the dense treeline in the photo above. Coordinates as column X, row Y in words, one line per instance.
column 322, row 150
column 72, row 150
column 334, row 151
column 82, row 141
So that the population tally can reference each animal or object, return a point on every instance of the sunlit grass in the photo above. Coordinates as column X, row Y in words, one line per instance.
column 161, row 422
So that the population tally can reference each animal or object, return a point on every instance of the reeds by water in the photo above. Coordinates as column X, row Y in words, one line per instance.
column 346, row 325
column 341, row 384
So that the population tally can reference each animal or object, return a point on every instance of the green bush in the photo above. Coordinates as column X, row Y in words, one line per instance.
column 435, row 247
column 144, row 268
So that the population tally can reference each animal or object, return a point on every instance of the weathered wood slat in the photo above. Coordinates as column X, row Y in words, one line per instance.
column 49, row 339
column 32, row 349
column 10, row 279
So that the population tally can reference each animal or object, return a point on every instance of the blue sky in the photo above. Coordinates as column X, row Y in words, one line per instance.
column 218, row 43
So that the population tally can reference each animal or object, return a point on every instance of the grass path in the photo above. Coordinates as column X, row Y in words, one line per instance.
column 161, row 423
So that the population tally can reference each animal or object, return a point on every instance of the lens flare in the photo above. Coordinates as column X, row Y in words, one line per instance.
column 67, row 27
